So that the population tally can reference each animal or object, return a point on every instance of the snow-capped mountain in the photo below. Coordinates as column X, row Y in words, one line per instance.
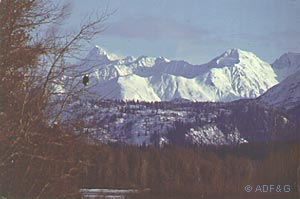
column 286, row 94
column 286, row 65
column 233, row 75
column 239, row 74
column 176, row 118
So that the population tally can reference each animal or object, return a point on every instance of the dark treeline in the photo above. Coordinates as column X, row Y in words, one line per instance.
column 192, row 171
column 168, row 171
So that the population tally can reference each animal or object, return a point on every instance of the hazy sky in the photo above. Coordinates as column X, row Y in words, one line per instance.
column 196, row 30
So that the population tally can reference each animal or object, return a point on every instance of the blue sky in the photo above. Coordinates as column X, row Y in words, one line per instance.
column 195, row 30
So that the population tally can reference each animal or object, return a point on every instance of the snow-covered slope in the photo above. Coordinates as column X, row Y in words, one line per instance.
column 286, row 65
column 286, row 94
column 198, row 123
column 239, row 74
column 233, row 75
column 212, row 135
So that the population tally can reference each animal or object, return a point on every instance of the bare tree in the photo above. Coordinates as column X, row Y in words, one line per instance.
column 34, row 60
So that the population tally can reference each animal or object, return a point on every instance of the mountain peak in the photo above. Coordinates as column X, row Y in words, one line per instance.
column 99, row 50
column 234, row 56
column 238, row 53
column 232, row 52
column 98, row 54
column 146, row 61
column 288, row 59
column 286, row 65
column 229, row 57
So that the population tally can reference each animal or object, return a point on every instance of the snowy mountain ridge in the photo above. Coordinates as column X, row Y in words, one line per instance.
column 285, row 95
column 286, row 65
column 233, row 75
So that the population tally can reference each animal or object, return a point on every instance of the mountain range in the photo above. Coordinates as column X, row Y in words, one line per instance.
column 233, row 75
column 177, row 102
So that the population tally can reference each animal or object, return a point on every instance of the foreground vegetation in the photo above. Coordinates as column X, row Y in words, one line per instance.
column 60, row 164
column 177, row 171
